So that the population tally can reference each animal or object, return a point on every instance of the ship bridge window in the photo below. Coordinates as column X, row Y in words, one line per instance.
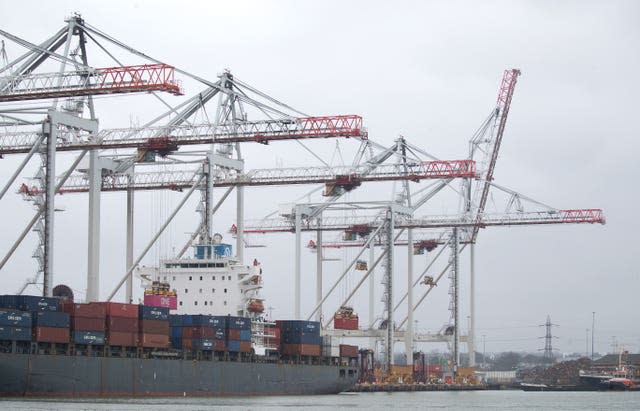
column 174, row 278
column 213, row 290
column 200, row 278
column 193, row 265
column 165, row 278
column 225, row 303
column 229, row 278
column 189, row 278
column 186, row 290
column 225, row 290
column 213, row 278
column 180, row 302
column 201, row 291
column 195, row 303
column 205, row 303
column 219, row 265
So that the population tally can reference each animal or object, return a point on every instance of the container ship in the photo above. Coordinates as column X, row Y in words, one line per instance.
column 200, row 332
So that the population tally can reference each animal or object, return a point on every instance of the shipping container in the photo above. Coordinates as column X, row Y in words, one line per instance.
column 37, row 303
column 176, row 342
column 88, row 337
column 233, row 345
column 54, row 319
column 167, row 301
column 220, row 334
column 154, row 327
column 120, row 338
column 245, row 335
column 240, row 323
column 245, row 346
column 345, row 323
column 153, row 313
column 51, row 335
column 153, row 340
column 88, row 324
column 90, row 310
column 214, row 321
column 176, row 332
column 15, row 318
column 300, row 325
column 233, row 334
column 348, row 350
column 300, row 337
column 122, row 324
column 219, row 345
column 204, row 344
column 120, row 310
column 176, row 320
column 9, row 333
column 312, row 350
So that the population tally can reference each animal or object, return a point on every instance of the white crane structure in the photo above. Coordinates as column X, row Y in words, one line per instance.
column 133, row 158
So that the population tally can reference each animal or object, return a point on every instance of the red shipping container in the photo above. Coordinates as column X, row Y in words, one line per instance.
column 219, row 345
column 154, row 327
column 124, row 339
column 301, row 349
column 245, row 346
column 87, row 324
column 198, row 332
column 121, row 310
column 344, row 323
column 51, row 335
column 233, row 334
column 122, row 324
column 187, row 344
column 90, row 310
column 348, row 350
column 154, row 340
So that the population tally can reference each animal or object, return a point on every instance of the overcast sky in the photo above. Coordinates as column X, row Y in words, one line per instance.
column 428, row 71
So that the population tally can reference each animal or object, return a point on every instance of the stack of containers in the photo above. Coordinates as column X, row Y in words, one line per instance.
column 300, row 337
column 14, row 325
column 47, row 324
column 176, row 323
column 238, row 334
column 121, row 324
column 87, row 322
column 272, row 336
column 154, row 326
column 204, row 332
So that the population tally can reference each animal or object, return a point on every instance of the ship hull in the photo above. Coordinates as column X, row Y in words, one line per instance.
column 27, row 375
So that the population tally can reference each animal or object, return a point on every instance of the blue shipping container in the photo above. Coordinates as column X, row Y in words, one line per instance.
column 176, row 342
column 15, row 333
column 301, row 325
column 233, row 346
column 176, row 320
column 146, row 312
column 209, row 321
column 50, row 319
column 187, row 320
column 241, row 323
column 202, row 344
column 292, row 337
column 88, row 337
column 175, row 332
column 36, row 303
column 245, row 335
column 15, row 318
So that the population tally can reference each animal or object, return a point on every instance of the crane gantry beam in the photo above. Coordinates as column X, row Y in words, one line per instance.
column 571, row 216
column 165, row 139
column 111, row 80
column 344, row 176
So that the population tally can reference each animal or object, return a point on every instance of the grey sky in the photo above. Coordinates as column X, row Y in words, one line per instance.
column 430, row 72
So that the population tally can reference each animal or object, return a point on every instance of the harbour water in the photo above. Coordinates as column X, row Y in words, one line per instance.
column 474, row 400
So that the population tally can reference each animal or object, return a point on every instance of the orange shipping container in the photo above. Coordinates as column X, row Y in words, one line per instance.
column 154, row 340
column 51, row 335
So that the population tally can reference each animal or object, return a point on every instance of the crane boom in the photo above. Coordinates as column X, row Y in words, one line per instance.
column 571, row 216
column 163, row 139
column 345, row 175
column 505, row 94
column 111, row 80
